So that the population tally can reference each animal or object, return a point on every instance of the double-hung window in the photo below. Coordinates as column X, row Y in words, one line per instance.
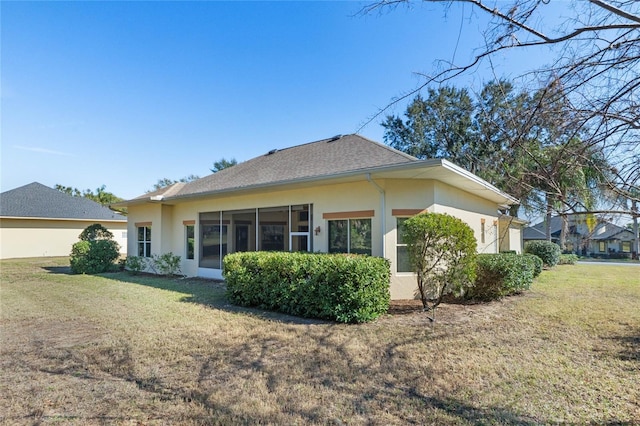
column 403, row 260
column 144, row 240
column 190, row 235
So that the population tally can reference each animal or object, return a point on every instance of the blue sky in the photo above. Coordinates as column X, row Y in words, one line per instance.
column 125, row 93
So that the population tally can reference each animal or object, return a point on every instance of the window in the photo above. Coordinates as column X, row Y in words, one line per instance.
column 482, row 231
column 626, row 246
column 144, row 241
column 190, row 233
column 350, row 236
column 602, row 246
column 403, row 261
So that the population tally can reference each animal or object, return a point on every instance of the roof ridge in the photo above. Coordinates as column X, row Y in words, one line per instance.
column 390, row 148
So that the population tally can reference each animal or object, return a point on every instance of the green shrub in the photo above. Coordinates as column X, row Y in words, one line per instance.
column 568, row 259
column 93, row 257
column 343, row 288
column 442, row 250
column 135, row 264
column 537, row 263
column 547, row 251
column 499, row 275
column 95, row 232
column 167, row 264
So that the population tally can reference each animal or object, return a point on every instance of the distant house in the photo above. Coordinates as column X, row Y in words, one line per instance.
column 600, row 238
column 346, row 194
column 36, row 221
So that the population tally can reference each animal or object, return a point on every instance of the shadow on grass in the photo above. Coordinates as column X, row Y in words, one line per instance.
column 233, row 364
column 63, row 270
column 207, row 292
column 628, row 346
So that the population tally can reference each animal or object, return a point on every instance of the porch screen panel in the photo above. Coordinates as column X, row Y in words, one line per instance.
column 211, row 240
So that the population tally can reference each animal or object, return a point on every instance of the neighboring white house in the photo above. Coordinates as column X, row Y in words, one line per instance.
column 37, row 221
column 343, row 194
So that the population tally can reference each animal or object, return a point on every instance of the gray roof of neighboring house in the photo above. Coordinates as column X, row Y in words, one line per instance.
column 611, row 232
column 539, row 230
column 39, row 201
column 326, row 157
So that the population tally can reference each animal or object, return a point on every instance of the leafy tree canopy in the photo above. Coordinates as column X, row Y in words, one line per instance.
column 100, row 195
column 222, row 164
column 164, row 182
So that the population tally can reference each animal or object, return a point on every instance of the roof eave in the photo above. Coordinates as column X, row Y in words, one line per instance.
column 123, row 220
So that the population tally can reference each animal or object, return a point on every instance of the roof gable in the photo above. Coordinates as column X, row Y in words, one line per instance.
column 39, row 201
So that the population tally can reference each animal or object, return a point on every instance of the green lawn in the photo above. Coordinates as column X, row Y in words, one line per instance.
column 119, row 349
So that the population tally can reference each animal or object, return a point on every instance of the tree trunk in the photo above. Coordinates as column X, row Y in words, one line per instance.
column 564, row 231
column 636, row 237
column 548, row 219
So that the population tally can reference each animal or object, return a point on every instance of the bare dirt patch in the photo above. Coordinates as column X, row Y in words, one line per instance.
column 410, row 312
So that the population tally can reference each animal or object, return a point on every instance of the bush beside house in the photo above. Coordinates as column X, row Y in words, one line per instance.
column 546, row 250
column 338, row 287
column 499, row 275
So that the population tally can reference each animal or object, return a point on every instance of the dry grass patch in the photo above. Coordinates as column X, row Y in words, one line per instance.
column 143, row 350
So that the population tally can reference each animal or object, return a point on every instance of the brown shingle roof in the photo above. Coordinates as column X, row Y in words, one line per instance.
column 325, row 157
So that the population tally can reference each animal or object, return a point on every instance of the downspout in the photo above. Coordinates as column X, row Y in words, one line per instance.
column 383, row 207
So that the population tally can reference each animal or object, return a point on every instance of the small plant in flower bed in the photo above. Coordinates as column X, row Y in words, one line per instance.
column 337, row 287
column 499, row 275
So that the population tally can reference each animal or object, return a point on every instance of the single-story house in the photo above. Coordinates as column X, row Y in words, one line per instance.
column 342, row 194
column 36, row 221
column 585, row 236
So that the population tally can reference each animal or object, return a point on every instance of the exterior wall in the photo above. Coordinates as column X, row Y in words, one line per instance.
column 474, row 211
column 49, row 237
column 407, row 195
column 510, row 234
column 146, row 213
column 412, row 196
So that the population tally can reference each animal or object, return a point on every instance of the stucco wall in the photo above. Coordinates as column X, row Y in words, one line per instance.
column 47, row 237
column 405, row 194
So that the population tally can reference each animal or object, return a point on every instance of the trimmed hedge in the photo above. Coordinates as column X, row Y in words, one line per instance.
column 338, row 287
column 538, row 264
column 500, row 275
column 547, row 251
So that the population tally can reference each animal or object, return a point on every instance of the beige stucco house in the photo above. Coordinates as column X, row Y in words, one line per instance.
column 343, row 194
column 37, row 221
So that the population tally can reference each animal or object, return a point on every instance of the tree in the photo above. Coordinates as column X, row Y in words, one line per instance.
column 442, row 250
column 164, row 182
column 100, row 196
column 597, row 65
column 223, row 164
column 514, row 140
